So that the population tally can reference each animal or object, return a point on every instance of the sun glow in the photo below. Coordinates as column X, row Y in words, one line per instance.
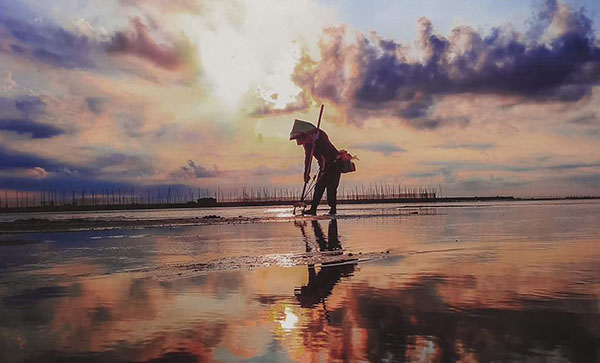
column 254, row 47
column 290, row 320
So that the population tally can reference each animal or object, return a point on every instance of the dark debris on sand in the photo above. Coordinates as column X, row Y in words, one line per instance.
column 75, row 224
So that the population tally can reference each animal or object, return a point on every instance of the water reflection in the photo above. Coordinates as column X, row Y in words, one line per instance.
column 320, row 284
column 530, row 299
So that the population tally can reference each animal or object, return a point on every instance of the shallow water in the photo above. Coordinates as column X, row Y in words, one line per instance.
column 480, row 282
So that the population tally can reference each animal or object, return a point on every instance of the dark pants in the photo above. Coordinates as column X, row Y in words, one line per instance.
column 329, row 179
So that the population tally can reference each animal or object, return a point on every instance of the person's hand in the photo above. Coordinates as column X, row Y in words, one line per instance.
column 306, row 177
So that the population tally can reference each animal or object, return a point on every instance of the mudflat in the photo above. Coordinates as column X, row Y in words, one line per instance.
column 494, row 281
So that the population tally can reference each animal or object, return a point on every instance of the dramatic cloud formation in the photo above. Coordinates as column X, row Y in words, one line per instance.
column 558, row 60
column 143, row 94
column 76, row 47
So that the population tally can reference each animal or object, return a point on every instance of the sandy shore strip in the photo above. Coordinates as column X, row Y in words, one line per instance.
column 29, row 225
column 84, row 224
column 79, row 224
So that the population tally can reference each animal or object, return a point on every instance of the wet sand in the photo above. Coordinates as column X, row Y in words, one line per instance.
column 515, row 282
column 80, row 224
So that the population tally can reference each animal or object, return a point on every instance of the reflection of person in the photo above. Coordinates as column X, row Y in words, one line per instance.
column 321, row 284
column 316, row 143
column 332, row 242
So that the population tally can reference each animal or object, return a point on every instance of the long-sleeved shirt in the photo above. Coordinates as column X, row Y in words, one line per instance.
column 325, row 152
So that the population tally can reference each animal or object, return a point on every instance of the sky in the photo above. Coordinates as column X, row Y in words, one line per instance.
column 466, row 97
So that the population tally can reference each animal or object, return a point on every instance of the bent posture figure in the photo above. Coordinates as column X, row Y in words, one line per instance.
column 316, row 143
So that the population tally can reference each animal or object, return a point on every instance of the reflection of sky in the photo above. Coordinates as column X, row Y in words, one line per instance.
column 513, row 296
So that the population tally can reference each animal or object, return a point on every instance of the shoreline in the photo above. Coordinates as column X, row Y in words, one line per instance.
column 203, row 204
column 40, row 224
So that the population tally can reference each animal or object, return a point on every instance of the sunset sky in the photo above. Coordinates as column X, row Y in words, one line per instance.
column 475, row 97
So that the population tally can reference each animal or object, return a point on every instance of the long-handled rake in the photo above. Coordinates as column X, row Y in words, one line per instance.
column 312, row 151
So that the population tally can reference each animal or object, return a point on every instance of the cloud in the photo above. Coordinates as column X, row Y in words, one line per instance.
column 11, row 159
column 521, row 168
column 27, row 127
column 118, row 165
column 6, row 81
column 46, row 43
column 60, row 182
column 17, row 115
column 385, row 148
column 138, row 42
column 267, row 171
column 193, row 171
column 187, row 6
column 109, row 166
column 447, row 173
column 589, row 180
column 475, row 146
column 422, row 175
column 478, row 184
column 77, row 46
column 37, row 173
column 587, row 119
column 371, row 77
column 573, row 166
column 96, row 104
column 30, row 106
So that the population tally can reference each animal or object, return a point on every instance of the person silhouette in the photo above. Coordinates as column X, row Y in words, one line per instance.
column 316, row 143
column 321, row 284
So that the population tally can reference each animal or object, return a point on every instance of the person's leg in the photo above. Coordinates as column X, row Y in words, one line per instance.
column 332, row 184
column 318, row 193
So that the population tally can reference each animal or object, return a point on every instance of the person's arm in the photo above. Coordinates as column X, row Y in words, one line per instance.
column 308, row 153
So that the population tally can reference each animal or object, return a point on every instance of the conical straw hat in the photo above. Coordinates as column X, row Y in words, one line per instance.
column 301, row 127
